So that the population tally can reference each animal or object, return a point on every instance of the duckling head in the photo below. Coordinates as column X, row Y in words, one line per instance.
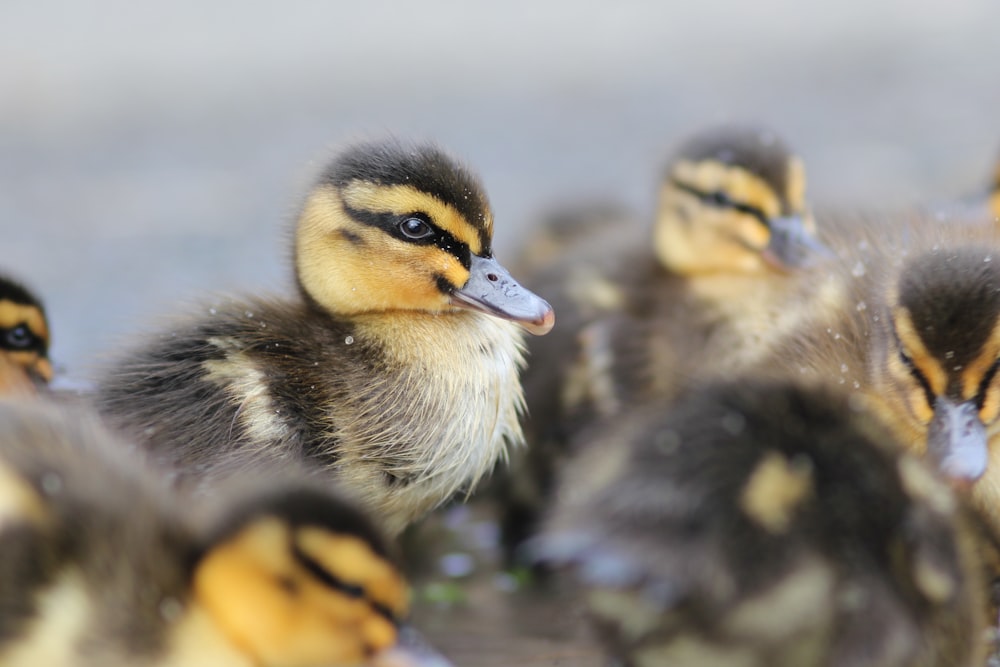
column 733, row 200
column 302, row 578
column 24, row 339
column 390, row 227
column 942, row 352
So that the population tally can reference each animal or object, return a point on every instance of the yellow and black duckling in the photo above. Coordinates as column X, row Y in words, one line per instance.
column 396, row 368
column 24, row 340
column 918, row 339
column 764, row 524
column 725, row 279
column 101, row 566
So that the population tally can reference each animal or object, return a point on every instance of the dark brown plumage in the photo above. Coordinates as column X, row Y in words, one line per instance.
column 766, row 524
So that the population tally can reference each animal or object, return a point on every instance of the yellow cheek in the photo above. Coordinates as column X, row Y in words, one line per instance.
column 991, row 405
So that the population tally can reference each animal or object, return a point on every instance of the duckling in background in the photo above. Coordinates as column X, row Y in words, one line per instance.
column 918, row 339
column 728, row 275
column 102, row 566
column 395, row 370
column 24, row 340
column 766, row 524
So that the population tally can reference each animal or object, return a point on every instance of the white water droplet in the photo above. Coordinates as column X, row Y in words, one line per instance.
column 950, row 354
column 212, row 311
column 862, row 306
column 249, row 314
column 843, row 368
column 349, row 340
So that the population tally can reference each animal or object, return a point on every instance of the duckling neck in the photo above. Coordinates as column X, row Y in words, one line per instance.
column 448, row 397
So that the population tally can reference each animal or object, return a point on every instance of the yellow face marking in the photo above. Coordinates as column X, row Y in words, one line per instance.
column 693, row 237
column 13, row 314
column 775, row 489
column 352, row 268
column 925, row 363
column 278, row 613
column 795, row 188
column 14, row 378
column 739, row 184
column 19, row 501
column 404, row 199
column 973, row 374
column 353, row 560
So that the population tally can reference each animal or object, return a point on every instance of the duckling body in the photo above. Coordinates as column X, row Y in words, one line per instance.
column 395, row 372
column 738, row 527
column 917, row 341
column 24, row 340
column 727, row 277
column 103, row 566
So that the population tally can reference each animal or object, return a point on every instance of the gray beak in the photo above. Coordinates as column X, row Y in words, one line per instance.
column 957, row 440
column 792, row 246
column 491, row 289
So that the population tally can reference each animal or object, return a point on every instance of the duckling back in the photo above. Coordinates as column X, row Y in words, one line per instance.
column 766, row 524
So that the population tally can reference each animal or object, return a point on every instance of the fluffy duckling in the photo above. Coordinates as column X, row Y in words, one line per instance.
column 766, row 524
column 918, row 339
column 102, row 567
column 24, row 340
column 395, row 370
column 732, row 243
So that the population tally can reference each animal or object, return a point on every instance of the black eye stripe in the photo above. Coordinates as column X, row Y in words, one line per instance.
column 985, row 383
column 389, row 223
column 914, row 371
column 720, row 200
column 331, row 581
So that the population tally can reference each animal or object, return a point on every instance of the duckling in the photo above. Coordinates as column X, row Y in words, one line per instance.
column 734, row 243
column 918, row 340
column 24, row 340
column 396, row 368
column 759, row 523
column 102, row 566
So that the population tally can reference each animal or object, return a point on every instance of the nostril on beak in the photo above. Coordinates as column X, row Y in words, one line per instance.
column 492, row 277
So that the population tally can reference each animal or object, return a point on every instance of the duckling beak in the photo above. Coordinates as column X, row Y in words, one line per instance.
column 957, row 440
column 792, row 245
column 412, row 650
column 491, row 289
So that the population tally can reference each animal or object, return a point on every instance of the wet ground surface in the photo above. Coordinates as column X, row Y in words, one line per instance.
column 151, row 155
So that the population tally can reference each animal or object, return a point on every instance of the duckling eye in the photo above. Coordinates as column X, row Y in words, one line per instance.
column 415, row 228
column 719, row 198
column 19, row 337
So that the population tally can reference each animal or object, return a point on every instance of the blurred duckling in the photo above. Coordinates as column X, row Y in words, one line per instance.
column 24, row 340
column 394, row 370
column 103, row 567
column 724, row 281
column 766, row 524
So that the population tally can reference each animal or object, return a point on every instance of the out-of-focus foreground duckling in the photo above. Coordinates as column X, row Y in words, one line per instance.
column 101, row 566
column 723, row 283
column 395, row 370
column 24, row 340
column 761, row 524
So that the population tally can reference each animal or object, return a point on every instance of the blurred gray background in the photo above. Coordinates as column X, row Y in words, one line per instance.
column 154, row 152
